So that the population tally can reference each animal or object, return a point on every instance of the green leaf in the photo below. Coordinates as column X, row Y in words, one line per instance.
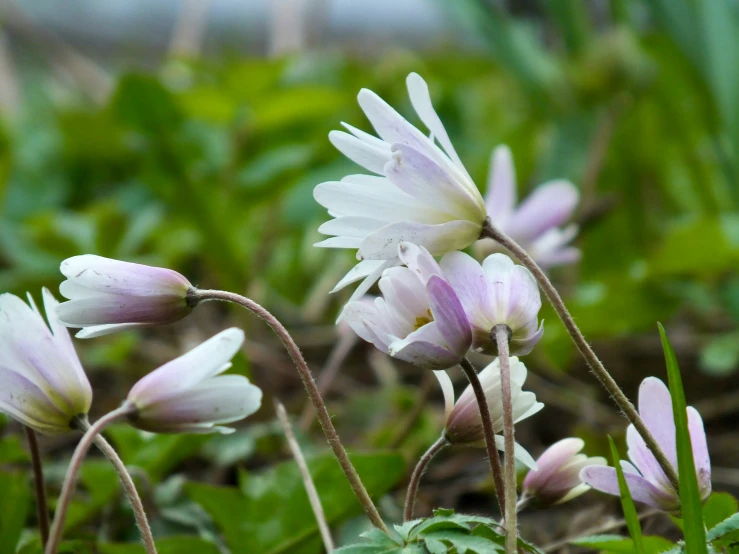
column 690, row 500
column 718, row 507
column 627, row 503
column 168, row 545
column 16, row 500
column 271, row 513
column 617, row 544
column 727, row 526
column 100, row 487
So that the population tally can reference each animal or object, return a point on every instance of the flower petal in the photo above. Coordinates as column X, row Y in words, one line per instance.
column 552, row 460
column 351, row 226
column 447, row 389
column 605, row 480
column 102, row 330
column 655, row 408
column 371, row 156
column 25, row 402
column 700, row 451
column 424, row 354
column 467, row 278
column 389, row 124
column 500, row 198
column 519, row 452
column 437, row 239
column 549, row 206
column 449, row 315
column 114, row 308
column 359, row 271
column 418, row 260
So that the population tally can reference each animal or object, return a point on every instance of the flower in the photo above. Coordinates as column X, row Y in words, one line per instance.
column 43, row 384
column 420, row 192
column 644, row 476
column 463, row 422
column 493, row 293
column 108, row 295
column 536, row 223
column 557, row 479
column 419, row 319
column 189, row 394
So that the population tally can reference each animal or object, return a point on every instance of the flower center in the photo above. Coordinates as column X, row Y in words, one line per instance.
column 423, row 320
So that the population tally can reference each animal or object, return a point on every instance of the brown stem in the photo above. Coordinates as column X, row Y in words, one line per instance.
column 42, row 508
column 582, row 345
column 196, row 296
column 502, row 334
column 488, row 431
column 419, row 470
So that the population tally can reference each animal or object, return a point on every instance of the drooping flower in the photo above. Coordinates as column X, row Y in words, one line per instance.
column 107, row 295
column 644, row 476
column 493, row 293
column 420, row 193
column 557, row 479
column 463, row 421
column 43, row 384
column 536, row 224
column 419, row 318
column 189, row 394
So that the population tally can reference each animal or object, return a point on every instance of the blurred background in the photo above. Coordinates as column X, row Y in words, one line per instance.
column 190, row 134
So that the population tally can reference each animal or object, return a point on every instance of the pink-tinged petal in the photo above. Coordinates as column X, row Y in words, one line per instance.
column 371, row 156
column 449, row 315
column 108, row 309
column 514, row 293
column 389, row 124
column 549, row 206
column 643, row 458
column 205, row 360
column 447, row 389
column 604, row 479
column 655, row 408
column 359, row 271
column 467, row 278
column 700, row 451
column 525, row 344
column 500, row 198
column 437, row 239
column 552, row 460
column 418, row 260
column 424, row 354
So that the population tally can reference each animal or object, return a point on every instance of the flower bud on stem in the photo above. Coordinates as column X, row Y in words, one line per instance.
column 597, row 367
column 488, row 430
column 410, row 497
column 502, row 334
column 42, row 508
column 196, row 296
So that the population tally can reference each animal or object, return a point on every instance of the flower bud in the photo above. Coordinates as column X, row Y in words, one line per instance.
column 557, row 479
column 43, row 384
column 189, row 394
column 108, row 295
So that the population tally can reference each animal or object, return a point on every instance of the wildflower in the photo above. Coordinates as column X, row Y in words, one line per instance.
column 493, row 293
column 463, row 422
column 644, row 476
column 108, row 295
column 536, row 223
column 420, row 192
column 557, row 479
column 43, row 384
column 189, row 394
column 419, row 319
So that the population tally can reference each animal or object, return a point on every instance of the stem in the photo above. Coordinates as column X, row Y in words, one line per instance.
column 42, row 508
column 582, row 345
column 502, row 333
column 410, row 497
column 313, row 393
column 488, row 431
column 310, row 487
column 57, row 527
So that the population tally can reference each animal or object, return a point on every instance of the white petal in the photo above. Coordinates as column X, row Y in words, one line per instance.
column 370, row 156
column 340, row 242
column 520, row 453
column 447, row 388
column 351, row 226
column 500, row 198
column 359, row 271
column 95, row 331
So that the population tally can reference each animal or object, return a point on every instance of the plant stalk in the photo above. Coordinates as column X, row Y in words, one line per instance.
column 596, row 366
column 42, row 507
column 488, row 431
column 195, row 296
column 418, row 471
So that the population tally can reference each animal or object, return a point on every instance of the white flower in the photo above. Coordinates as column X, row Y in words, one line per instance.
column 43, row 383
column 421, row 192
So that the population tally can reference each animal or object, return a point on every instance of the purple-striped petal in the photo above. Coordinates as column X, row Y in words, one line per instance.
column 449, row 315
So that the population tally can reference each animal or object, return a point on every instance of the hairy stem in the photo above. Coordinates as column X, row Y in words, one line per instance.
column 488, row 431
column 42, row 507
column 591, row 358
column 502, row 334
column 418, row 471
column 196, row 296
column 310, row 487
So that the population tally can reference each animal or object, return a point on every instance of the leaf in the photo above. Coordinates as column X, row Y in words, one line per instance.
column 167, row 545
column 617, row 544
column 627, row 503
column 270, row 513
column 727, row 526
column 719, row 507
column 690, row 500
column 16, row 499
column 465, row 542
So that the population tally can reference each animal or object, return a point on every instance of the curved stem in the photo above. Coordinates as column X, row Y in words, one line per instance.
column 501, row 333
column 410, row 497
column 488, row 431
column 591, row 358
column 311, row 388
column 57, row 527
column 42, row 507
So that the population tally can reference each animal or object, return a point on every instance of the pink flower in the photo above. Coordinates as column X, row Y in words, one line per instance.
column 419, row 318
column 536, row 224
column 189, row 394
column 646, row 480
column 557, row 479
column 108, row 295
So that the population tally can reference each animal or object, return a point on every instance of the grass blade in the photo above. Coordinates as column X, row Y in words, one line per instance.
column 627, row 503
column 690, row 500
